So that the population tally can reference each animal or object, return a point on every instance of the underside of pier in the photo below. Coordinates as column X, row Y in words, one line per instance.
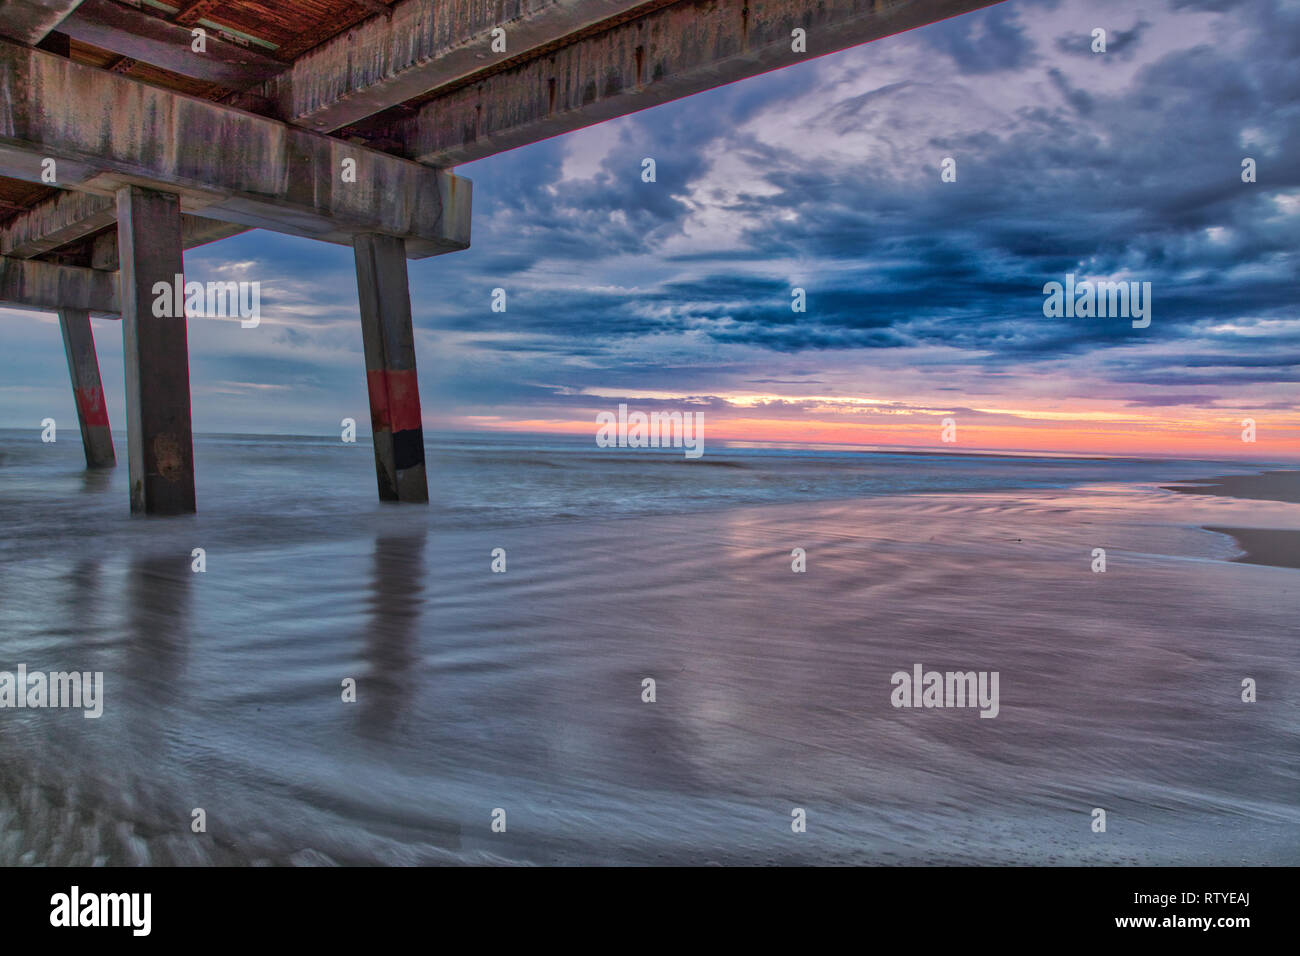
column 132, row 130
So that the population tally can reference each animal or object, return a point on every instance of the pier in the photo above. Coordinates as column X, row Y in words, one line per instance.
column 133, row 130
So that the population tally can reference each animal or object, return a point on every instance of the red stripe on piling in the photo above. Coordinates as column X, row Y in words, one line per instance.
column 91, row 406
column 394, row 399
column 404, row 399
column 377, row 383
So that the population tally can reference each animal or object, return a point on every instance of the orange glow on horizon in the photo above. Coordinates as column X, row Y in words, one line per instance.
column 1134, row 436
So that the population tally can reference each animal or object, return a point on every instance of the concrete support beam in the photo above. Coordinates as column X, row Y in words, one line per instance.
column 389, row 341
column 106, row 131
column 419, row 46
column 70, row 217
column 149, row 39
column 160, row 444
column 28, row 21
column 31, row 284
column 58, row 221
column 195, row 232
column 670, row 52
column 83, row 367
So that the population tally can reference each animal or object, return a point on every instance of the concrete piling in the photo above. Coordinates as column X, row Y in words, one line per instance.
column 83, row 367
column 389, row 344
column 160, row 442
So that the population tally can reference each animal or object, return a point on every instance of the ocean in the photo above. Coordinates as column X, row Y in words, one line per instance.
column 515, row 699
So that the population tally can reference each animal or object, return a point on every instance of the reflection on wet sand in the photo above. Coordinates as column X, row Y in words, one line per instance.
column 396, row 593
column 157, row 631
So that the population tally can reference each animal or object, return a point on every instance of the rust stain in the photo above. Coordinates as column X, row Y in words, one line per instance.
column 168, row 458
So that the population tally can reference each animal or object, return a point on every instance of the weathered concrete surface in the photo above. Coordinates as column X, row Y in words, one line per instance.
column 31, row 284
column 63, row 223
column 59, row 221
column 422, row 45
column 160, row 442
column 107, row 131
column 389, row 342
column 668, row 53
column 83, row 368
column 28, row 21
column 141, row 36
column 195, row 232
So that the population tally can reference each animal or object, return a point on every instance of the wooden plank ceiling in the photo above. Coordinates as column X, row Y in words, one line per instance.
column 282, row 29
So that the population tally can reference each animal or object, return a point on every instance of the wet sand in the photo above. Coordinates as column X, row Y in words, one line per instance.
column 523, row 691
column 1279, row 547
column 1265, row 486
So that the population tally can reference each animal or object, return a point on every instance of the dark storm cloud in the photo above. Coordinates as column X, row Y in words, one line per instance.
column 986, row 42
column 848, row 113
column 1121, row 43
column 1081, row 100
column 1141, row 182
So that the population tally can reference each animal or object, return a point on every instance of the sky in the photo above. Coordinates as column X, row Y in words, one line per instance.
column 924, row 298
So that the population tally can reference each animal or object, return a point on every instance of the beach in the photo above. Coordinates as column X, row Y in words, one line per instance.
column 523, row 691
column 1273, row 546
